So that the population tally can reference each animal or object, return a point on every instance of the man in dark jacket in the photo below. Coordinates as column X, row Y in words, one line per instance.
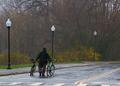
column 43, row 59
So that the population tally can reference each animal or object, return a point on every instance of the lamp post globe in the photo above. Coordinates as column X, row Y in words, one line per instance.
column 8, row 25
column 95, row 33
column 53, row 30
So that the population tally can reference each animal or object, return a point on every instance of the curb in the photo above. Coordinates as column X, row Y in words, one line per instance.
column 57, row 68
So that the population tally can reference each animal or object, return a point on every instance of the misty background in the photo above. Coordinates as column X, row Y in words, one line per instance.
column 75, row 22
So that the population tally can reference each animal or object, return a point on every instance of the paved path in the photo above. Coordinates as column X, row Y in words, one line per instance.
column 102, row 75
column 92, row 75
column 4, row 72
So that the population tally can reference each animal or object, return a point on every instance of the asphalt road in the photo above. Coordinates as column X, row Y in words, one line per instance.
column 94, row 75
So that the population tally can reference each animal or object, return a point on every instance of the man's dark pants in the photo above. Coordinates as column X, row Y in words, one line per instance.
column 42, row 67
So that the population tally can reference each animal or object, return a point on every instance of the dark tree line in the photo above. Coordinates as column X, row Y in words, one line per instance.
column 75, row 22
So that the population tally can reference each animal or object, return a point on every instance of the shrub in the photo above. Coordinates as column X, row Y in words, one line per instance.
column 16, row 58
column 77, row 55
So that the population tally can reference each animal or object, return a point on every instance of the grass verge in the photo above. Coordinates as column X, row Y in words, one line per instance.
column 16, row 66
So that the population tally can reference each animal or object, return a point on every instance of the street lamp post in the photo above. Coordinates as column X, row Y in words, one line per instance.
column 95, row 34
column 8, row 25
column 53, row 30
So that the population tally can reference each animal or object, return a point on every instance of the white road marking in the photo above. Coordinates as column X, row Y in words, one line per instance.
column 97, row 82
column 36, row 84
column 97, row 77
column 82, row 85
column 59, row 84
column 15, row 83
column 105, row 85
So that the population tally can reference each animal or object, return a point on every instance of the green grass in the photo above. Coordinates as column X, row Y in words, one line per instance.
column 29, row 65
column 16, row 66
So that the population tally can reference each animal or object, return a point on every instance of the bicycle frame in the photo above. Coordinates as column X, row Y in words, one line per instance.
column 50, row 69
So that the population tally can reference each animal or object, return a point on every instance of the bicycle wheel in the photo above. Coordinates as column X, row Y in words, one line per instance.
column 50, row 70
column 47, row 70
column 33, row 68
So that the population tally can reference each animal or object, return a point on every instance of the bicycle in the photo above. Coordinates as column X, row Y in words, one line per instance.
column 50, row 69
column 33, row 68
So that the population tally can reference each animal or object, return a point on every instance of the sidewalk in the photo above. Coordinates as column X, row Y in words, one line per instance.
column 5, row 72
